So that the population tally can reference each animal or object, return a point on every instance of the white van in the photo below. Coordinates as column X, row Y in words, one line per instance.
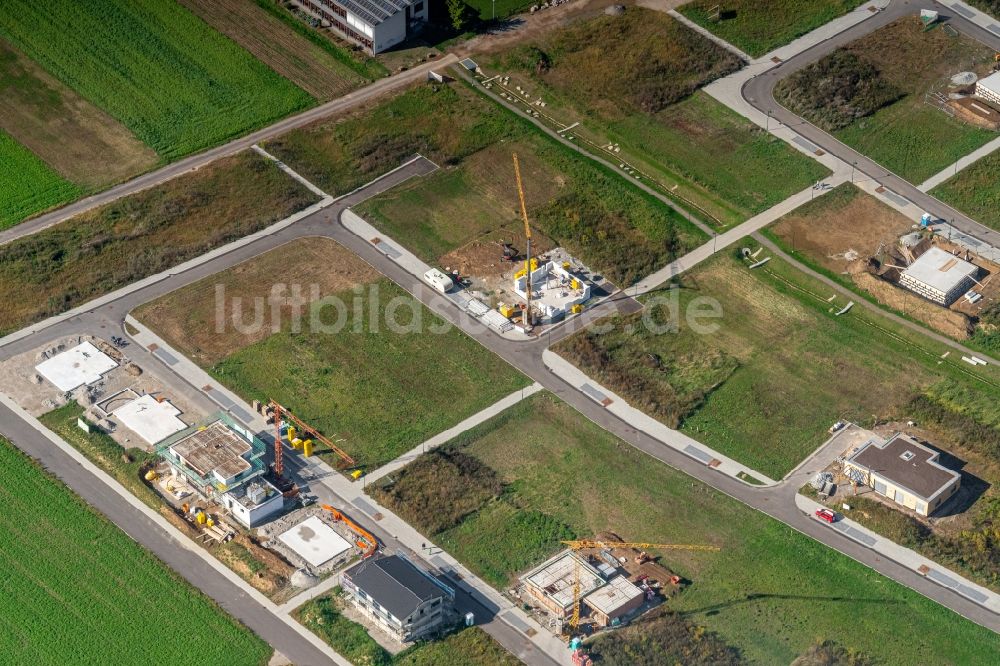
column 438, row 280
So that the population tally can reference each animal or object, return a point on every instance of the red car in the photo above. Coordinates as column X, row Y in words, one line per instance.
column 826, row 514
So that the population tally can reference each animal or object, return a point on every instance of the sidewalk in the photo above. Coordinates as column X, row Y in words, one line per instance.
column 647, row 424
column 353, row 493
column 724, row 240
column 906, row 557
column 174, row 533
column 451, row 433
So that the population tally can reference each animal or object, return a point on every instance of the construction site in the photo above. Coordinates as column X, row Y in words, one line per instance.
column 600, row 584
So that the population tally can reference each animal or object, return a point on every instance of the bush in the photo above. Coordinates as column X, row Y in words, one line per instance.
column 439, row 489
column 837, row 90
column 663, row 638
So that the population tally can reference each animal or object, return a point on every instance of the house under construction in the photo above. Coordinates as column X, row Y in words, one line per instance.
column 222, row 460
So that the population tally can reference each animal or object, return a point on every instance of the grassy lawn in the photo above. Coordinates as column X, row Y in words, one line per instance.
column 760, row 26
column 384, row 392
column 76, row 139
column 489, row 9
column 595, row 214
column 871, row 95
column 52, row 613
column 837, row 233
column 466, row 647
column 644, row 103
column 974, row 191
column 770, row 592
column 29, row 185
column 780, row 369
column 141, row 234
column 178, row 85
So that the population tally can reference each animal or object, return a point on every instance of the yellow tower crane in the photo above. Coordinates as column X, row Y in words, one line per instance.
column 526, row 319
column 589, row 543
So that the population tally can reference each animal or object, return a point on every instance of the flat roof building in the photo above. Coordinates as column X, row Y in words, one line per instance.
column 905, row 471
column 988, row 88
column 551, row 583
column 375, row 25
column 401, row 598
column 215, row 456
column 615, row 600
column 939, row 276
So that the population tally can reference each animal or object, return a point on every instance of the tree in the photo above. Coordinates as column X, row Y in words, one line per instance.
column 459, row 13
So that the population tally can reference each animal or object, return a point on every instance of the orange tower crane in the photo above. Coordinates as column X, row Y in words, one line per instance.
column 280, row 413
column 589, row 543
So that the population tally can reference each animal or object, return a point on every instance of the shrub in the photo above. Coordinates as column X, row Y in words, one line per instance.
column 663, row 638
column 837, row 90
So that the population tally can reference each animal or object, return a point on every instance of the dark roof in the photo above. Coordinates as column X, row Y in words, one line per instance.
column 374, row 12
column 920, row 474
column 395, row 583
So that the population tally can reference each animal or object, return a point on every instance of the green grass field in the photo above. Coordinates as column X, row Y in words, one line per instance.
column 29, row 185
column 913, row 139
column 466, row 647
column 77, row 590
column 781, row 368
column 770, row 592
column 974, row 191
column 384, row 392
column 488, row 9
column 597, row 215
column 141, row 234
column 885, row 115
column 760, row 26
column 645, row 102
column 166, row 75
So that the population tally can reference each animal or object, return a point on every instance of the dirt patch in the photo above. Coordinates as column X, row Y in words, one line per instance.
column 278, row 46
column 852, row 226
column 81, row 142
column 308, row 268
column 481, row 259
column 949, row 322
column 976, row 112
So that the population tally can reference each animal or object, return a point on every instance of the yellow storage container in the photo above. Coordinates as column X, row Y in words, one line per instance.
column 520, row 274
column 291, row 433
column 534, row 264
column 507, row 310
column 576, row 309
column 307, row 447
column 201, row 518
column 209, row 522
column 565, row 265
column 356, row 474
column 574, row 283
column 151, row 475
column 296, row 443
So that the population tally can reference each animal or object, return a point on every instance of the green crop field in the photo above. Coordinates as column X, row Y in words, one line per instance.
column 975, row 191
column 466, row 647
column 771, row 592
column 166, row 75
column 598, row 216
column 760, row 26
column 77, row 590
column 141, row 234
column 780, row 369
column 646, row 104
column 29, row 185
column 872, row 95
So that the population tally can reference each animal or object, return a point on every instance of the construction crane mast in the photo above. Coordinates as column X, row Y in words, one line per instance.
column 526, row 320
column 279, row 414
column 582, row 544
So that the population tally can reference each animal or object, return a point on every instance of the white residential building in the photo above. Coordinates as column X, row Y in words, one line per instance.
column 988, row 88
column 376, row 25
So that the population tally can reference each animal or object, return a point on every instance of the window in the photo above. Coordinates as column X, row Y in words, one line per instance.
column 908, row 456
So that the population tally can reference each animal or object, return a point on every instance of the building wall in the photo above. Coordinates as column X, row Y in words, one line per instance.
column 545, row 601
column 426, row 618
column 987, row 94
column 904, row 497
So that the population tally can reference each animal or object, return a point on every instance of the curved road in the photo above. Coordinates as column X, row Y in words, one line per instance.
column 776, row 502
column 759, row 93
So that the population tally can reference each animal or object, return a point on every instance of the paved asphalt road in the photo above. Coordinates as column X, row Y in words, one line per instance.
column 759, row 92
column 348, row 101
column 525, row 356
